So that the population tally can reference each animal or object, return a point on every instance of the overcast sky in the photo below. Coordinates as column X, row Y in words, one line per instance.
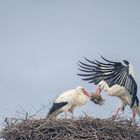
column 42, row 41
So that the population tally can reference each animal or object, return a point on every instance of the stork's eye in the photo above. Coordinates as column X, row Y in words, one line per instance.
column 82, row 89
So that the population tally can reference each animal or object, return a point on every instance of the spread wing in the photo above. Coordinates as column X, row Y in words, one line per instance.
column 111, row 72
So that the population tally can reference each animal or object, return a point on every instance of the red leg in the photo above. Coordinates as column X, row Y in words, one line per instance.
column 133, row 114
column 72, row 114
column 117, row 111
column 65, row 115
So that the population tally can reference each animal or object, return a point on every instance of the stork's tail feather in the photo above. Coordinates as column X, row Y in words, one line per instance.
column 52, row 114
column 49, row 113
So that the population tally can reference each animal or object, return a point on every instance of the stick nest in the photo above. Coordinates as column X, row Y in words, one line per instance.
column 66, row 129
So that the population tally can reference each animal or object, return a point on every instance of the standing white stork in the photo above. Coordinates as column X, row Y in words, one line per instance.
column 67, row 101
column 114, row 77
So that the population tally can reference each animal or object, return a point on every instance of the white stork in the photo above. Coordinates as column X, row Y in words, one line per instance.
column 67, row 101
column 116, row 78
column 120, row 92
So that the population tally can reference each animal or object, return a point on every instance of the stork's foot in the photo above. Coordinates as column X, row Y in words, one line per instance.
column 73, row 118
column 132, row 120
column 133, row 123
column 113, row 117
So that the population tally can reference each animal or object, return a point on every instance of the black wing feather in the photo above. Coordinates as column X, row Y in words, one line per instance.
column 112, row 72
column 56, row 106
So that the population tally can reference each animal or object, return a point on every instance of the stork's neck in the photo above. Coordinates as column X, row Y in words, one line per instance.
column 106, row 87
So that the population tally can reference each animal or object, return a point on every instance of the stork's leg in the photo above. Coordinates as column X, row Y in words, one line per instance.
column 71, row 111
column 116, row 113
column 133, row 115
column 72, row 115
column 65, row 115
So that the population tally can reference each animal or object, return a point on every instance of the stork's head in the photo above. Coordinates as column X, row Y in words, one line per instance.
column 102, row 86
column 126, row 62
column 82, row 91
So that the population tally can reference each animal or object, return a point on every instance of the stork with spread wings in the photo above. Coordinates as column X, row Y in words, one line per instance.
column 117, row 78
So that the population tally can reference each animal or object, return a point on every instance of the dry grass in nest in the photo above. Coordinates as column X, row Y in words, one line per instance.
column 97, row 98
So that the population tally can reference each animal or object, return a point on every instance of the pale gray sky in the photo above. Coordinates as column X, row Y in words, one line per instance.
column 41, row 42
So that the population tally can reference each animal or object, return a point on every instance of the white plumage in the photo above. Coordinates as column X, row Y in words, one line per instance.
column 120, row 92
column 67, row 101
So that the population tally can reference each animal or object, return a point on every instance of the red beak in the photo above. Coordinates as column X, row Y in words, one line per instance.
column 98, row 90
column 87, row 94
